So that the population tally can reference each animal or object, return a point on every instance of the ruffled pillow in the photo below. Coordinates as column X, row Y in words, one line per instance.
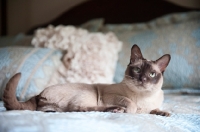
column 89, row 57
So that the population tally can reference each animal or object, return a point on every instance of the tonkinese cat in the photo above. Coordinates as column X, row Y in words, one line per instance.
column 139, row 92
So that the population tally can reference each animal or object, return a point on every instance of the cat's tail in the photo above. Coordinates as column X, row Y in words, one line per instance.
column 9, row 96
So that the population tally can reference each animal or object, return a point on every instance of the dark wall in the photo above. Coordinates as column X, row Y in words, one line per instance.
column 115, row 11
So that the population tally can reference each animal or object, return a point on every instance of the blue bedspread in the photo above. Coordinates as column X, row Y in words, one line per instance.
column 185, row 110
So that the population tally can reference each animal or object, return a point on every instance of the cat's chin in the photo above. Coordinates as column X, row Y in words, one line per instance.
column 143, row 87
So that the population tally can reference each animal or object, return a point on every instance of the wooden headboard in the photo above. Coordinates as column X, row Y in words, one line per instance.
column 115, row 12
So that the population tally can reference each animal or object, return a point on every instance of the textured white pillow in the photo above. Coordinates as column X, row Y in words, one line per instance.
column 89, row 57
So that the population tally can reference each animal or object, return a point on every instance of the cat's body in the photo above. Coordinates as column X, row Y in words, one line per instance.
column 139, row 92
column 83, row 97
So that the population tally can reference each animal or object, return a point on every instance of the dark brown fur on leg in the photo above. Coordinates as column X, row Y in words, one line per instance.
column 116, row 109
column 159, row 112
column 113, row 109
column 9, row 97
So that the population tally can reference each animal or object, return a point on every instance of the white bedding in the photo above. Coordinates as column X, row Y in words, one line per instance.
column 185, row 117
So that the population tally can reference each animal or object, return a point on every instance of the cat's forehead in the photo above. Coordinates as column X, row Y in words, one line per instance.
column 142, row 62
column 148, row 64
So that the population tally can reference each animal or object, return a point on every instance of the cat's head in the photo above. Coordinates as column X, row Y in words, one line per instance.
column 145, row 75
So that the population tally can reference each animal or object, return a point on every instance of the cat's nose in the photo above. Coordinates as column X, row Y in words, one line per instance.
column 144, row 79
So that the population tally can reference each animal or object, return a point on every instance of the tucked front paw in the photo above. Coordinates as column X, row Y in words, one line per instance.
column 115, row 109
column 159, row 112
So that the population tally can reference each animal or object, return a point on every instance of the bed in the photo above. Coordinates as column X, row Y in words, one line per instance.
column 95, row 49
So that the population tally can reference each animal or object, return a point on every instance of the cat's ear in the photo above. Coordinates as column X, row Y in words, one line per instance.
column 163, row 62
column 135, row 53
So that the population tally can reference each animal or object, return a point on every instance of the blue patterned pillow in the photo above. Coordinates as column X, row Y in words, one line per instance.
column 181, row 40
column 37, row 65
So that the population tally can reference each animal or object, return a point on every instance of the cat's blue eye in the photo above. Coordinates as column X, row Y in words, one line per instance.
column 152, row 74
column 136, row 69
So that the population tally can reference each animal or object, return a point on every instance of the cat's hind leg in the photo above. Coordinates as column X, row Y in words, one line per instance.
column 49, row 108
column 45, row 106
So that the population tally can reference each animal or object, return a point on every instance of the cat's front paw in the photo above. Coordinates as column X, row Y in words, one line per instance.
column 116, row 109
column 159, row 112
